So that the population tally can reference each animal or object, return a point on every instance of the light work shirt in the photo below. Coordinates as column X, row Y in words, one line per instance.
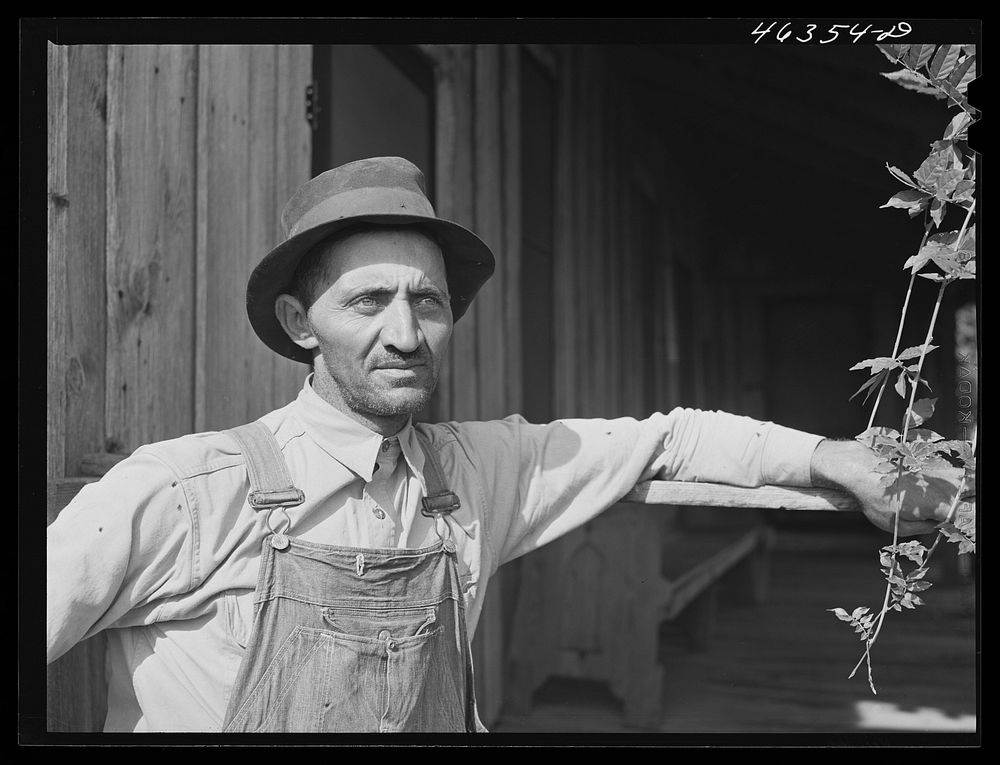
column 163, row 551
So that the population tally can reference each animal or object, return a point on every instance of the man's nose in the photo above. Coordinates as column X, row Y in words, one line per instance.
column 401, row 329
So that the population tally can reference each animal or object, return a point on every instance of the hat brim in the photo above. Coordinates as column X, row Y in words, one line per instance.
column 469, row 263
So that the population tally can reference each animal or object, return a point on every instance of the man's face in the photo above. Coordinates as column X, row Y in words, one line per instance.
column 382, row 321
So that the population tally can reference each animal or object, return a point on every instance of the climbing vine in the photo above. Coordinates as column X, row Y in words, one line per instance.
column 945, row 180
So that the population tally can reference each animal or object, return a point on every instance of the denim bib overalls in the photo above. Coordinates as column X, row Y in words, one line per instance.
column 349, row 639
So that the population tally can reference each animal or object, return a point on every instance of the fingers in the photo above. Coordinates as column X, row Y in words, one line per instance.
column 915, row 528
column 887, row 522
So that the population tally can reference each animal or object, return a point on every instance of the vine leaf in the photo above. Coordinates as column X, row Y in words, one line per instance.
column 924, row 434
column 914, row 351
column 958, row 127
column 964, row 73
column 918, row 55
column 938, row 209
column 889, row 50
column 876, row 364
column 900, row 385
column 878, row 435
column 922, row 410
column 953, row 534
column 901, row 175
column 944, row 61
column 914, row 201
column 912, row 549
column 872, row 383
column 941, row 171
column 963, row 192
column 913, row 81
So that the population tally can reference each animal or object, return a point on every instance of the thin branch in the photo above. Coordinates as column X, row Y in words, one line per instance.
column 920, row 363
column 902, row 319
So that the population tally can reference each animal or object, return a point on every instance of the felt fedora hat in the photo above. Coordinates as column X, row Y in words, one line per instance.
column 383, row 190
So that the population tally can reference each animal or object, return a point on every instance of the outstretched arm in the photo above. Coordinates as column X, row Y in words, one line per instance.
column 850, row 466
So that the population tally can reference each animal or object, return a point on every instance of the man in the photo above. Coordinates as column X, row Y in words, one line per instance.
column 324, row 568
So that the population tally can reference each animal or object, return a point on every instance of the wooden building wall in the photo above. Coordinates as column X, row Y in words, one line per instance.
column 168, row 167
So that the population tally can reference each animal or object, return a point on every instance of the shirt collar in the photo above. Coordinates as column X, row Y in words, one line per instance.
column 349, row 442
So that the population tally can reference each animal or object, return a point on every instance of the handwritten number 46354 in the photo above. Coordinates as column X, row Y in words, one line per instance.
column 833, row 32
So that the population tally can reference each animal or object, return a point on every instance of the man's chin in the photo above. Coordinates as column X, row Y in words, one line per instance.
column 402, row 400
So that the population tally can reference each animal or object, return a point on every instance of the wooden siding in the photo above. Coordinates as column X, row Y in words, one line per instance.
column 616, row 352
column 168, row 166
column 478, row 186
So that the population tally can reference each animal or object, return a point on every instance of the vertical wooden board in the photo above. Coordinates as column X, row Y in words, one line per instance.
column 622, row 254
column 205, row 109
column 582, row 190
column 491, row 361
column 611, row 114
column 76, row 697
column 625, row 289
column 664, row 388
column 672, row 373
column 751, row 354
column 150, row 243
column 601, row 221
column 56, row 259
column 566, row 295
column 461, row 209
column 224, row 191
column 510, row 264
column 445, row 135
column 254, row 360
column 592, row 224
column 732, row 359
column 76, row 694
column 85, row 296
column 490, row 358
column 292, row 168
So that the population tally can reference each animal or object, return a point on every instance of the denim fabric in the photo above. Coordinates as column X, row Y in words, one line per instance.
column 360, row 640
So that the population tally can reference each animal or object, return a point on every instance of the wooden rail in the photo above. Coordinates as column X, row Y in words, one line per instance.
column 693, row 494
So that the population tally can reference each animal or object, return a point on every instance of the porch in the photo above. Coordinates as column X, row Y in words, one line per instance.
column 781, row 667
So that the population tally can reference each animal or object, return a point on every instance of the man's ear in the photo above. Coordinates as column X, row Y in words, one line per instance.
column 294, row 320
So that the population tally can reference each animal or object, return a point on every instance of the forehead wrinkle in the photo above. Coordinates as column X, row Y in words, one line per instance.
column 353, row 280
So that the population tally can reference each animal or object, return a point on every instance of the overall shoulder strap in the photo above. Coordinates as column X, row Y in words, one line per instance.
column 270, row 483
column 439, row 500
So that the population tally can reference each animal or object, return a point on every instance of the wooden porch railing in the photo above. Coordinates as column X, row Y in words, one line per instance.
column 719, row 495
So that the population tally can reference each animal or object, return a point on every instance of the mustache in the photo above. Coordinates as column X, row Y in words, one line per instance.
column 419, row 356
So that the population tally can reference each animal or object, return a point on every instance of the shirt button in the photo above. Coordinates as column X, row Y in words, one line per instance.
column 390, row 644
column 379, row 513
column 385, row 446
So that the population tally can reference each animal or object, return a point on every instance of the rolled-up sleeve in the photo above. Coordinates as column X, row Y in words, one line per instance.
column 543, row 481
column 121, row 544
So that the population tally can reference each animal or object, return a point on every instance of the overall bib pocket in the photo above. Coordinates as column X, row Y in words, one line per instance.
column 290, row 705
